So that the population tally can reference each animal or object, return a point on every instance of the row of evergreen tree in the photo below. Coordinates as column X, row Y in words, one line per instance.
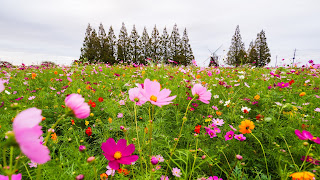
column 258, row 53
column 137, row 49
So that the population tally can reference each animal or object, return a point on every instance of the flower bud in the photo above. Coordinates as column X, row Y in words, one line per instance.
column 80, row 177
column 91, row 159
column 82, row 148
column 239, row 157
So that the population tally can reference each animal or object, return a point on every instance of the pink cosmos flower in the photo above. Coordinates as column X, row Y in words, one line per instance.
column 160, row 158
column 239, row 137
column 218, row 122
column 217, row 130
column 76, row 103
column 69, row 79
column 13, row 177
column 118, row 153
column 176, row 172
column 135, row 95
column 27, row 134
column 306, row 135
column 229, row 135
column 199, row 90
column 215, row 108
column 2, row 85
column 110, row 171
column 164, row 177
column 317, row 109
column 153, row 94
column 232, row 127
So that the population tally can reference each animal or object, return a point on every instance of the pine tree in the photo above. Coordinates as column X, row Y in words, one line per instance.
column 237, row 53
column 186, row 48
column 90, row 45
column 104, row 45
column 134, row 50
column 175, row 45
column 112, row 44
column 165, row 45
column 264, row 56
column 145, row 45
column 155, row 45
column 123, row 44
column 252, row 53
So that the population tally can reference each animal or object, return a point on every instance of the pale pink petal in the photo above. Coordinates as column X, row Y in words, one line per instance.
column 27, row 118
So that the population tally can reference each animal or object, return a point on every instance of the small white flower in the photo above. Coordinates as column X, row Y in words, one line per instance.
column 7, row 92
column 241, row 77
column 216, row 96
column 220, row 101
column 227, row 103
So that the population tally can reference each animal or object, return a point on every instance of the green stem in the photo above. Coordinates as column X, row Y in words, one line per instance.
column 53, row 126
column 195, row 157
column 27, row 171
column 305, row 158
column 4, row 156
column 95, row 171
column 226, row 160
column 135, row 117
column 297, row 167
column 264, row 154
column 11, row 156
column 183, row 121
column 215, row 163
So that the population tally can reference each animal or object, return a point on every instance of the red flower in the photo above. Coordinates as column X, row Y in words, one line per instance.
column 124, row 171
column 303, row 126
column 100, row 99
column 72, row 122
column 90, row 102
column 259, row 117
column 291, row 82
column 197, row 129
column 89, row 131
column 93, row 104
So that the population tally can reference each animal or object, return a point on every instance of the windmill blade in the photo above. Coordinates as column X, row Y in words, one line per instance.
column 218, row 48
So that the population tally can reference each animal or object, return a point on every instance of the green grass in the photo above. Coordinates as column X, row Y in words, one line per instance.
column 275, row 128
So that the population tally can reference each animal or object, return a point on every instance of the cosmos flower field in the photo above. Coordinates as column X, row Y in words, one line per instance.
column 159, row 122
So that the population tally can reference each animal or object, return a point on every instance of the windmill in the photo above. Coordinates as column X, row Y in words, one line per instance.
column 214, row 58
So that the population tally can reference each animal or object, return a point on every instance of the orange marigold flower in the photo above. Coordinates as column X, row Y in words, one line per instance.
column 43, row 118
column 54, row 136
column 246, row 126
column 219, row 113
column 103, row 176
column 302, row 94
column 55, row 72
column 33, row 75
column 302, row 175
column 198, row 76
column 257, row 97
column 72, row 122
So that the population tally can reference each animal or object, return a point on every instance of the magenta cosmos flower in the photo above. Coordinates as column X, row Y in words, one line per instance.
column 199, row 90
column 306, row 135
column 76, row 103
column 135, row 95
column 239, row 137
column 153, row 94
column 13, row 177
column 229, row 135
column 27, row 134
column 283, row 85
column 118, row 153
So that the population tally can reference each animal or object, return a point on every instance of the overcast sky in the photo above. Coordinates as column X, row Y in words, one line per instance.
column 36, row 30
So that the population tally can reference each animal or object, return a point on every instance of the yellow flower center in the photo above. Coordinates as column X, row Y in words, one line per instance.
column 153, row 98
column 239, row 137
column 117, row 155
column 282, row 84
column 314, row 138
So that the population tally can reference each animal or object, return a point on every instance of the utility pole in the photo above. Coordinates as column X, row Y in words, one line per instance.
column 276, row 60
column 294, row 56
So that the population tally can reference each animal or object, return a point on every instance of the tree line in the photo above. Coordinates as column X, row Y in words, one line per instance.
column 102, row 47
column 258, row 53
